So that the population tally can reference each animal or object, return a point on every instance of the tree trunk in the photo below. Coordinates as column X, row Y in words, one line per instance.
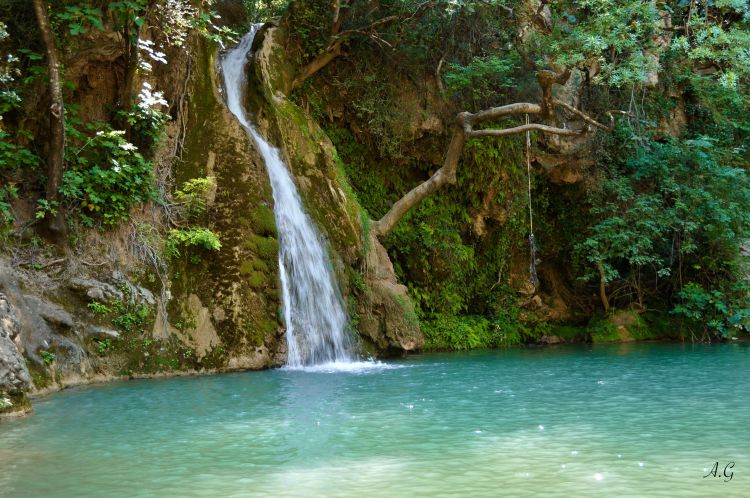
column 131, row 35
column 315, row 65
column 602, row 286
column 131, row 66
column 55, row 161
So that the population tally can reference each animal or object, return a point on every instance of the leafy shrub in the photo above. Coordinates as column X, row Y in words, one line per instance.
column 48, row 357
column 479, row 81
column 197, row 237
column 12, row 156
column 80, row 17
column 675, row 211
column 146, row 122
column 99, row 308
column 107, row 175
column 192, row 197
column 723, row 313
column 103, row 346
column 129, row 316
column 7, row 193
column 505, row 328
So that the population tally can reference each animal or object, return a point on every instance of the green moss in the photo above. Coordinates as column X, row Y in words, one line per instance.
column 603, row 331
column 353, row 206
column 143, row 354
column 215, row 358
column 264, row 222
column 302, row 137
column 257, row 280
column 260, row 266
column 410, row 316
column 254, row 333
column 620, row 324
column 268, row 327
column 662, row 325
column 265, row 247
column 39, row 376
column 246, row 267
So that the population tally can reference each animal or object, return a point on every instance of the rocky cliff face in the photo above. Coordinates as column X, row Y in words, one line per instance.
column 107, row 304
column 233, row 297
column 15, row 379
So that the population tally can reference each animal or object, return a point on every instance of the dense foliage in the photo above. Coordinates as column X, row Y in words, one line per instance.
column 654, row 220
column 109, row 165
column 659, row 220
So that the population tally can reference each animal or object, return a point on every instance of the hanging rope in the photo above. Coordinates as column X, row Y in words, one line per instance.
column 533, row 278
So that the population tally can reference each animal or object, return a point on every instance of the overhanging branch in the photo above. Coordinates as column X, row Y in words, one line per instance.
column 339, row 37
column 581, row 115
column 522, row 129
column 464, row 128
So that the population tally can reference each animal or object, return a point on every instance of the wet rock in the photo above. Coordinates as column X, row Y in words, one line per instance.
column 201, row 336
column 139, row 294
column 94, row 289
column 51, row 313
column 98, row 332
column 621, row 326
column 527, row 289
column 387, row 316
column 41, row 324
column 386, row 312
column 550, row 339
column 14, row 376
column 105, row 292
column 259, row 358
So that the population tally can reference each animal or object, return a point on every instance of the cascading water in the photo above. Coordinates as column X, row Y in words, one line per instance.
column 315, row 319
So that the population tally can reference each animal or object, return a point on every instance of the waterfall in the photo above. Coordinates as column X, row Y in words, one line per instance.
column 316, row 323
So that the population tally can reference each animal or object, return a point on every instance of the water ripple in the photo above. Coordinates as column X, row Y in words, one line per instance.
column 484, row 424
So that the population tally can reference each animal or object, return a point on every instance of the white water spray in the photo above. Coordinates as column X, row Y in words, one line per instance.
column 316, row 323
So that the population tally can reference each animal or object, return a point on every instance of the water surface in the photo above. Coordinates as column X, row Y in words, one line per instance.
column 624, row 420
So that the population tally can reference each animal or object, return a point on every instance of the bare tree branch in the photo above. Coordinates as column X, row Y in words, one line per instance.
column 522, row 129
column 581, row 115
column 463, row 130
column 502, row 111
column 438, row 77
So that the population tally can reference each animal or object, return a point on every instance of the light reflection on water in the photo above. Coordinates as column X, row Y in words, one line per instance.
column 635, row 420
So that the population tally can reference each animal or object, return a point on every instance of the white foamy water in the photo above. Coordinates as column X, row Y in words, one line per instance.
column 316, row 322
column 346, row 367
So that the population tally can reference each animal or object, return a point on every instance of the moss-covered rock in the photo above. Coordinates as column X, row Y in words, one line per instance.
column 238, row 287
column 621, row 326
column 383, row 314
